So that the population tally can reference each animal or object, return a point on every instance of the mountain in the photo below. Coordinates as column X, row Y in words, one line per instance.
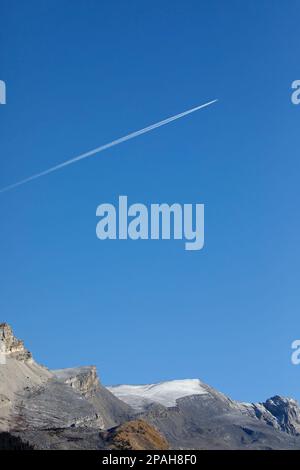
column 71, row 409
column 53, row 409
column 192, row 415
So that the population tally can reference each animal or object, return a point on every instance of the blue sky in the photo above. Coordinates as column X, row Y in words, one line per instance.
column 80, row 74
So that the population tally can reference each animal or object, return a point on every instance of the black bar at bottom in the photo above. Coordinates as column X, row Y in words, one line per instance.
column 134, row 459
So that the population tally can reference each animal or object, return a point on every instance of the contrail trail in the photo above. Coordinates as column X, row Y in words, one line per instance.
column 105, row 147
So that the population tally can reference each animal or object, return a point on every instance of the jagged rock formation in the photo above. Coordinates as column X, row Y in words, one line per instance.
column 279, row 412
column 10, row 346
column 83, row 379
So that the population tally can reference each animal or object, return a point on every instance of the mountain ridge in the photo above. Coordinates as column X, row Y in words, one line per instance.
column 71, row 409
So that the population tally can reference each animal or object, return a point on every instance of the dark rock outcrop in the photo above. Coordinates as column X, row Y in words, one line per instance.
column 11, row 442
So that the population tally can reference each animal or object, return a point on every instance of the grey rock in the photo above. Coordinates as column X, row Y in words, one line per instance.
column 110, row 410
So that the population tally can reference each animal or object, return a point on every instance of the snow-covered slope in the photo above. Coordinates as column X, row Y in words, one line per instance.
column 164, row 393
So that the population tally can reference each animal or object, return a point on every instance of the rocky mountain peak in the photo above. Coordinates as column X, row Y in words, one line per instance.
column 10, row 346
column 286, row 411
column 83, row 379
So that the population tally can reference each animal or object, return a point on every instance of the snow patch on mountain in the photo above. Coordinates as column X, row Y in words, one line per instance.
column 164, row 393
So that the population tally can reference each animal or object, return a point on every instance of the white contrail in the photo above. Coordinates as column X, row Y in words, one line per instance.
column 105, row 146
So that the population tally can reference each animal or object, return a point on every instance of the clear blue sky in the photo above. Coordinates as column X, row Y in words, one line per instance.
column 80, row 74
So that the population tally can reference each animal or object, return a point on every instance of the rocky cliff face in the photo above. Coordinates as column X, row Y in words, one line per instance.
column 83, row 379
column 18, row 374
column 277, row 412
column 286, row 413
column 33, row 398
column 10, row 346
